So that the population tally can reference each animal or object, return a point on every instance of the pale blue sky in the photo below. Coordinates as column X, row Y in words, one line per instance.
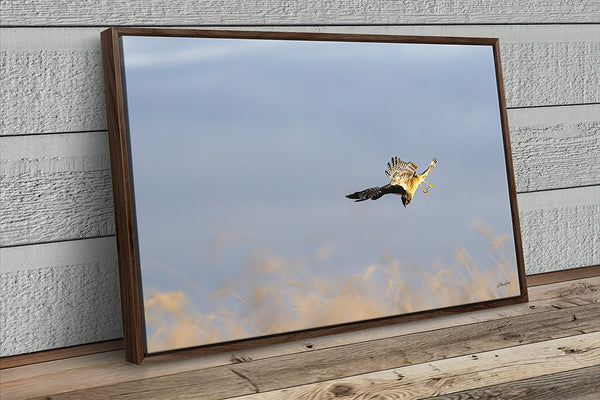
column 246, row 146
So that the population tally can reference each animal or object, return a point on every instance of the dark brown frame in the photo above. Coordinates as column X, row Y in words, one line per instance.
column 125, row 229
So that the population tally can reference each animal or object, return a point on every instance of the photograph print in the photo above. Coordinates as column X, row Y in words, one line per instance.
column 286, row 185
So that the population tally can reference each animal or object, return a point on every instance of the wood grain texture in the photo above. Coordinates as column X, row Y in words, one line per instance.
column 510, row 172
column 59, row 354
column 53, row 307
column 51, row 80
column 552, row 65
column 552, row 199
column 70, row 252
column 574, row 384
column 52, row 91
column 129, row 270
column 365, row 357
column 555, row 147
column 273, row 12
column 563, row 275
column 537, row 62
column 466, row 374
column 56, row 294
column 110, row 368
column 562, row 237
column 55, row 188
column 80, row 202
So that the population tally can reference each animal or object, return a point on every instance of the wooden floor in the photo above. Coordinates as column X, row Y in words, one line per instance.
column 548, row 348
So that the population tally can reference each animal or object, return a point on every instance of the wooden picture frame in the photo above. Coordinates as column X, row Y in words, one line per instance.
column 126, row 220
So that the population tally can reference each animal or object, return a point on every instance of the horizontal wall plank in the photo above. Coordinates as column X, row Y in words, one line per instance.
column 555, row 147
column 466, row 373
column 73, row 252
column 58, row 295
column 53, row 82
column 69, row 189
column 560, row 228
column 580, row 196
column 55, row 187
column 365, row 357
column 551, row 147
column 69, row 204
column 221, row 12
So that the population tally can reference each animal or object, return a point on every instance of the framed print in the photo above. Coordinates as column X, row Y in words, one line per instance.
column 273, row 186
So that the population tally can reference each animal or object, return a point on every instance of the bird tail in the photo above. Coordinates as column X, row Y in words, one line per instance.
column 371, row 193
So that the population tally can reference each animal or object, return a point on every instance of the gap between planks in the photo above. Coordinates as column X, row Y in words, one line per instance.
column 455, row 374
column 372, row 356
column 109, row 369
column 551, row 108
column 577, row 384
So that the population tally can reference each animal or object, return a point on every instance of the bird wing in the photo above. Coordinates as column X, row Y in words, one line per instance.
column 376, row 192
column 399, row 171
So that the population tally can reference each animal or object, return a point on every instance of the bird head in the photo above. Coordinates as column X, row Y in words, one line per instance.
column 406, row 198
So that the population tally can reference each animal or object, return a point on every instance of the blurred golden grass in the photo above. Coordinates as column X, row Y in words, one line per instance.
column 278, row 295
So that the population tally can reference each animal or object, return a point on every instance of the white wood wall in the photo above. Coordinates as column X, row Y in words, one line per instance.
column 59, row 285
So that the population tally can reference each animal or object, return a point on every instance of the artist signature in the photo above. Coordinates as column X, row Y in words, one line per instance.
column 500, row 284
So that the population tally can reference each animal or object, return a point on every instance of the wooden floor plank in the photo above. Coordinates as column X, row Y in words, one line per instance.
column 67, row 352
column 359, row 358
column 576, row 384
column 456, row 374
column 543, row 298
column 110, row 368
column 563, row 275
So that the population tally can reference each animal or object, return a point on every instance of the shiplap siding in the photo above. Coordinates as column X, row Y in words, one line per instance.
column 58, row 274
column 64, row 180
column 55, row 188
column 59, row 294
column 288, row 12
column 560, row 228
column 555, row 147
column 41, row 67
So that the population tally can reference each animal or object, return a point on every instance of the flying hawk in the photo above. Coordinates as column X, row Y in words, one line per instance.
column 404, row 180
